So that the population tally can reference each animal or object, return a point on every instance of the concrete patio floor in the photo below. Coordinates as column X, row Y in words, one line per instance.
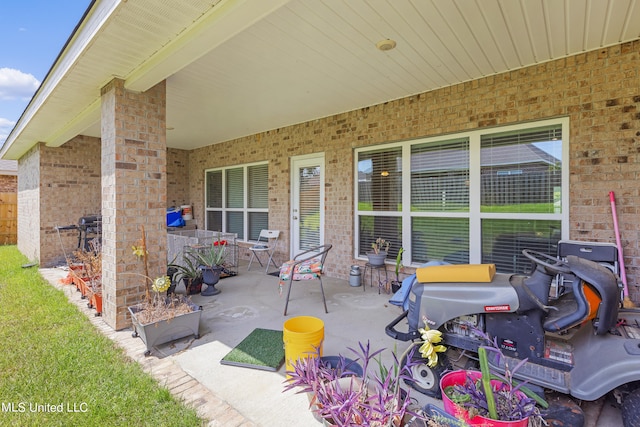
column 236, row 396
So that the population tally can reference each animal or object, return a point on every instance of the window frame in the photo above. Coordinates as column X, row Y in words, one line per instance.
column 223, row 209
column 474, row 215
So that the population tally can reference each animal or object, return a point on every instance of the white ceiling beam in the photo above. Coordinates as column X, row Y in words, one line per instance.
column 221, row 23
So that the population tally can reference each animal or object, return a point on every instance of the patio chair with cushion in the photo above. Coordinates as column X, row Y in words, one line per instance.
column 266, row 243
column 307, row 265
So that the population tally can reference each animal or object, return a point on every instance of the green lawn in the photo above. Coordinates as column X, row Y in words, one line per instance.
column 54, row 359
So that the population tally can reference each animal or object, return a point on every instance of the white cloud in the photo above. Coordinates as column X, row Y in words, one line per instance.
column 16, row 84
column 5, row 127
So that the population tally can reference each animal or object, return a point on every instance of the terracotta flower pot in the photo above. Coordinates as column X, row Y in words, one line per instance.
column 96, row 302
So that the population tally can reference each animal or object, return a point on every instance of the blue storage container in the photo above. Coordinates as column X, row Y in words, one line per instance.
column 174, row 218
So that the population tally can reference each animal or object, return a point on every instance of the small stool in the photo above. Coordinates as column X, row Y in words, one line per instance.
column 371, row 268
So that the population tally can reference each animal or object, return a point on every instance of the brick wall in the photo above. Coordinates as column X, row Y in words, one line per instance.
column 177, row 177
column 8, row 183
column 56, row 186
column 599, row 91
column 70, row 189
column 134, row 194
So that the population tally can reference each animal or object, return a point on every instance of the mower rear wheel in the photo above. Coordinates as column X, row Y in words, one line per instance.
column 426, row 380
column 631, row 409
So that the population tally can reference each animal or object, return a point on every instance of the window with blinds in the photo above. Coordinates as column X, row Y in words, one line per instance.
column 380, row 190
column 440, row 176
column 521, row 171
column 257, row 200
column 521, row 174
column 237, row 200
column 481, row 196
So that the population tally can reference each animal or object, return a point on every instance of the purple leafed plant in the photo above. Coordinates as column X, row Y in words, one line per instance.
column 343, row 399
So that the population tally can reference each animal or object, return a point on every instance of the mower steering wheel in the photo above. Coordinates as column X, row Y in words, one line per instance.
column 558, row 265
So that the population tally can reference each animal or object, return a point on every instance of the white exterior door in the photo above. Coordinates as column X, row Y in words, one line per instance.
column 307, row 204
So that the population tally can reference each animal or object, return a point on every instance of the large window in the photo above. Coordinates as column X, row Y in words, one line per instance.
column 481, row 196
column 237, row 200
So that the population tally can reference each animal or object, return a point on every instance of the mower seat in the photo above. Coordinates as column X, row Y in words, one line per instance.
column 604, row 282
column 594, row 295
column 571, row 309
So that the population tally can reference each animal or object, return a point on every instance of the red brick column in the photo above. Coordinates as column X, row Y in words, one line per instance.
column 134, row 193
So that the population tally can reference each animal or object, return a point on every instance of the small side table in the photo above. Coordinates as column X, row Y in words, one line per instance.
column 369, row 267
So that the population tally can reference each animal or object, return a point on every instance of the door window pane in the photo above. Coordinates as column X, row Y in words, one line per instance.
column 309, row 182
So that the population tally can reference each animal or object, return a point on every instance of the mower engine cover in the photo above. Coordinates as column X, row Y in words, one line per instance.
column 440, row 302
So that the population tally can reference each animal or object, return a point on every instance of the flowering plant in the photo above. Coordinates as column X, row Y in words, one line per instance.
column 211, row 256
column 427, row 348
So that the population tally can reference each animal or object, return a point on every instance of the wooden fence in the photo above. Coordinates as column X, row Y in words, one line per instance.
column 8, row 218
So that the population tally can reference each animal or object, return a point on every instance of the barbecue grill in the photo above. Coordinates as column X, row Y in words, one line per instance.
column 89, row 228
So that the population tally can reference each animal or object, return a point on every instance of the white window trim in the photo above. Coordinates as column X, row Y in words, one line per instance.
column 474, row 214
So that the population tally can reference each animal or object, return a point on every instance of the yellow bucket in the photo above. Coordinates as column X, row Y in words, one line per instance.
column 302, row 336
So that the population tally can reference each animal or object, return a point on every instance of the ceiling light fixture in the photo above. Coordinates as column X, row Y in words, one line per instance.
column 386, row 44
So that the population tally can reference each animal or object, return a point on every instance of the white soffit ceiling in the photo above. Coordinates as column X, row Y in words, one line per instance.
column 239, row 67
column 312, row 58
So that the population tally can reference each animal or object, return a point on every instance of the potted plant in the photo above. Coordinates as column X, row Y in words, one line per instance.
column 379, row 251
column 88, row 278
column 159, row 319
column 187, row 272
column 396, row 284
column 210, row 260
column 373, row 399
column 340, row 398
column 489, row 398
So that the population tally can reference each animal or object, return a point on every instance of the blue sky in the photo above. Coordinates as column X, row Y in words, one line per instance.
column 32, row 33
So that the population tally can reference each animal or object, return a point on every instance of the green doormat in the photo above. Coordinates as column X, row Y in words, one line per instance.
column 261, row 349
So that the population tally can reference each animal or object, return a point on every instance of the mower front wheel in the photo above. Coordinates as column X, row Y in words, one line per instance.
column 426, row 380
